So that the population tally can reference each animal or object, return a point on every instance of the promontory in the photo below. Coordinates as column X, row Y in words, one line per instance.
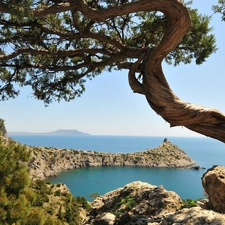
column 46, row 161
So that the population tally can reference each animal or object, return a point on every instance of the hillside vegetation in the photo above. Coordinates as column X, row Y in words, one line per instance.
column 26, row 199
column 33, row 202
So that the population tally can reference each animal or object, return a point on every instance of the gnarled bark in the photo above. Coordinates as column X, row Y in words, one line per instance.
column 209, row 122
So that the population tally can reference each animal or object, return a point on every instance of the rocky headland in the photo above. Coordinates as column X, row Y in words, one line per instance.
column 137, row 203
column 46, row 162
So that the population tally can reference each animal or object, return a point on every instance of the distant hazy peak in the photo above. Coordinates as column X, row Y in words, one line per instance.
column 59, row 132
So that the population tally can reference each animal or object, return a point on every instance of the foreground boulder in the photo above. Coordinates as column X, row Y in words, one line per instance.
column 136, row 203
column 140, row 203
column 193, row 216
column 213, row 182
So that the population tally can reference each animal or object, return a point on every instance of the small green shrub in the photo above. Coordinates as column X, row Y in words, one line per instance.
column 94, row 195
column 83, row 202
column 52, row 160
column 50, row 210
column 129, row 202
column 188, row 203
column 57, row 193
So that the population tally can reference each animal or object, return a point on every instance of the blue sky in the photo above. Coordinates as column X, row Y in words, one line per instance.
column 109, row 107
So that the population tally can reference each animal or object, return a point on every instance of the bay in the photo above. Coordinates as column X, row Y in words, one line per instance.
column 85, row 181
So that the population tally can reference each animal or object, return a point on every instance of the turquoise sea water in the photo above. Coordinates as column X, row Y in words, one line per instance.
column 82, row 182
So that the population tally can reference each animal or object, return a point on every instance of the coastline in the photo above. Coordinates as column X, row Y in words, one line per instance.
column 47, row 162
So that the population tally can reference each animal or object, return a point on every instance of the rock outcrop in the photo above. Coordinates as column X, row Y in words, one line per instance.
column 136, row 203
column 193, row 216
column 213, row 182
column 46, row 162
column 140, row 203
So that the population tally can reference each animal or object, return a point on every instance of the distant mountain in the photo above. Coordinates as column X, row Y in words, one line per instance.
column 60, row 132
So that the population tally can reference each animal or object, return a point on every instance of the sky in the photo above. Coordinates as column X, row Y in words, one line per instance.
column 109, row 107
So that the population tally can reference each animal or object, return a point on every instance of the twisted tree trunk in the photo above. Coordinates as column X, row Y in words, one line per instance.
column 209, row 122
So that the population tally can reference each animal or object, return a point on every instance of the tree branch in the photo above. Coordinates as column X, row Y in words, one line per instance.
column 209, row 122
column 135, row 85
column 154, row 86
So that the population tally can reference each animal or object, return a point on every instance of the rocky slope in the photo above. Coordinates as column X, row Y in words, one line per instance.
column 137, row 203
column 213, row 182
column 140, row 203
column 46, row 162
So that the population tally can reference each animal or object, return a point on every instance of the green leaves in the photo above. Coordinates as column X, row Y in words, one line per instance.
column 198, row 44
column 55, row 54
column 188, row 203
column 14, row 178
column 19, row 10
column 220, row 8
column 27, row 202
column 148, row 31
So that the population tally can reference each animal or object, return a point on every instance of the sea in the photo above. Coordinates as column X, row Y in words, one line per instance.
column 86, row 181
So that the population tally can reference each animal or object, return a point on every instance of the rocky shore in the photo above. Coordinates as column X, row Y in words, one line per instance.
column 140, row 203
column 46, row 162
column 137, row 203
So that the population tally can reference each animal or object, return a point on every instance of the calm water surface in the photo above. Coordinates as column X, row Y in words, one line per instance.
column 85, row 181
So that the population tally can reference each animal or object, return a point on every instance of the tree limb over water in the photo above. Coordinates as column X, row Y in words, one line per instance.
column 54, row 46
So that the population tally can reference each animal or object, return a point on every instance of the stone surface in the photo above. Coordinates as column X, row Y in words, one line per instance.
column 213, row 182
column 194, row 216
column 138, row 203
column 108, row 219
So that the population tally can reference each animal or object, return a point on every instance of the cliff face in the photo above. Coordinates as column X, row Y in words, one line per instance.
column 47, row 162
